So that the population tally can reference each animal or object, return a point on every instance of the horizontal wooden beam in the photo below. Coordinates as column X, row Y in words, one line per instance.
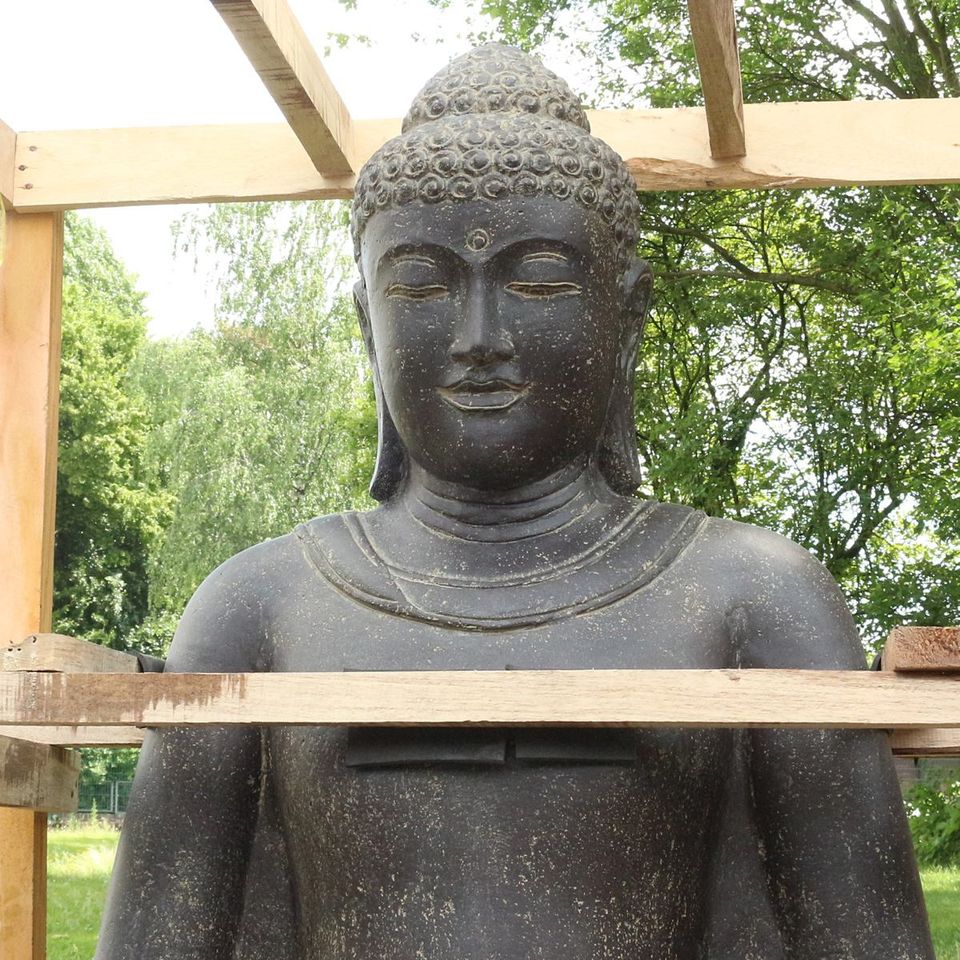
column 923, row 649
column 63, row 654
column 877, row 142
column 37, row 776
column 714, row 29
column 290, row 69
column 694, row 698
column 8, row 158
column 931, row 742
column 78, row 736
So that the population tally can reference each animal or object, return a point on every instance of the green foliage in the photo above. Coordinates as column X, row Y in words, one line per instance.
column 104, row 764
column 107, row 511
column 933, row 809
column 267, row 419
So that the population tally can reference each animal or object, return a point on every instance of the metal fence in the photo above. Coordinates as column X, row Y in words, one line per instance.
column 107, row 798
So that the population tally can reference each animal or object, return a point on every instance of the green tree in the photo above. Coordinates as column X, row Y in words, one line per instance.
column 107, row 511
column 267, row 419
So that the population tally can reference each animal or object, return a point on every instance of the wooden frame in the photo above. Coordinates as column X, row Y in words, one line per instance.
column 715, row 38
column 30, row 282
column 725, row 145
column 792, row 145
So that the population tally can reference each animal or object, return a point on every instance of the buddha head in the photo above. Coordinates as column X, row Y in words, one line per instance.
column 501, row 297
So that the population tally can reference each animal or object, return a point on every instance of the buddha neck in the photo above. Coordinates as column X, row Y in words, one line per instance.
column 536, row 509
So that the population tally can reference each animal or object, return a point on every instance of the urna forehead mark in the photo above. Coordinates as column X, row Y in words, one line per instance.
column 478, row 239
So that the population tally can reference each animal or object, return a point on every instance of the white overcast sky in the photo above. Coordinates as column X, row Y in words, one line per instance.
column 123, row 63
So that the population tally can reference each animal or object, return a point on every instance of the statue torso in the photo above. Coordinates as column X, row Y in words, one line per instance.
column 502, row 844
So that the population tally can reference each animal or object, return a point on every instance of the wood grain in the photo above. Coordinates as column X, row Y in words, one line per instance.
column 932, row 742
column 23, row 884
column 8, row 153
column 715, row 41
column 63, row 654
column 30, row 281
column 923, row 649
column 29, row 390
column 792, row 145
column 37, row 776
column 278, row 49
column 695, row 698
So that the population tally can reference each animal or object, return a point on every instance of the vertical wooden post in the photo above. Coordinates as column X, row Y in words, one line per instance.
column 30, row 283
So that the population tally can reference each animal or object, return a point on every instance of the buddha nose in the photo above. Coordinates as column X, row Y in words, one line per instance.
column 481, row 338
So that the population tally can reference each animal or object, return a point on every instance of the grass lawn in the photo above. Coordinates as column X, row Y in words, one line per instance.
column 79, row 865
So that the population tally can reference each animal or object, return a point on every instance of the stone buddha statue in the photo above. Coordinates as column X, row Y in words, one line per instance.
column 502, row 301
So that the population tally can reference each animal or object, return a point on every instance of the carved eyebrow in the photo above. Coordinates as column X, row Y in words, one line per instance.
column 545, row 255
column 413, row 258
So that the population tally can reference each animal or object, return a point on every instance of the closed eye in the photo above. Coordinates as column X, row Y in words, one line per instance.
column 427, row 291
column 542, row 290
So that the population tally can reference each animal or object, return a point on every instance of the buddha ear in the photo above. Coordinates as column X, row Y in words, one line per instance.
column 637, row 291
column 391, row 454
column 363, row 315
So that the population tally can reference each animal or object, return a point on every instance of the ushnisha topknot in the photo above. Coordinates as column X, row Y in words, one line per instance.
column 495, row 78
column 496, row 122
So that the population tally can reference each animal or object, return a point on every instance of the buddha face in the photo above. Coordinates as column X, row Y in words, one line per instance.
column 496, row 328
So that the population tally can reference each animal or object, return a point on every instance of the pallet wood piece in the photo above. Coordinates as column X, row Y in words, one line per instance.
column 715, row 41
column 923, row 649
column 290, row 69
column 792, row 145
column 8, row 151
column 38, row 776
column 30, row 280
column 934, row 742
column 651, row 698
column 62, row 654
column 23, row 884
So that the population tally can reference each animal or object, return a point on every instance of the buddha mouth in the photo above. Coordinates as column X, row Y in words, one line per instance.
column 475, row 394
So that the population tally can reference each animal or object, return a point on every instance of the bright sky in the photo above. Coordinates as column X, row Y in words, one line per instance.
column 117, row 63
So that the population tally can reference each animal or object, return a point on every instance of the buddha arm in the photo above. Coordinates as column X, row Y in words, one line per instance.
column 177, row 886
column 840, row 865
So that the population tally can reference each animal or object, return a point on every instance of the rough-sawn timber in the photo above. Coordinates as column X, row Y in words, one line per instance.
column 694, row 698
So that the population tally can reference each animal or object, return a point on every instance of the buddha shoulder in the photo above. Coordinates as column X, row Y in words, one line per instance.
column 222, row 627
column 784, row 607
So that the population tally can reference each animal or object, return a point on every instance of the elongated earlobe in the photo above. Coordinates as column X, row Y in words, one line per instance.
column 618, row 458
column 391, row 461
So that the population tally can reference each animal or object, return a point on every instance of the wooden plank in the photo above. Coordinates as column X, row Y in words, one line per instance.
column 23, row 884
column 77, row 736
column 103, row 168
column 38, row 776
column 8, row 152
column 29, row 385
column 792, row 145
column 63, row 654
column 290, row 69
column 932, row 742
column 30, row 280
column 923, row 649
column 715, row 41
column 694, row 698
